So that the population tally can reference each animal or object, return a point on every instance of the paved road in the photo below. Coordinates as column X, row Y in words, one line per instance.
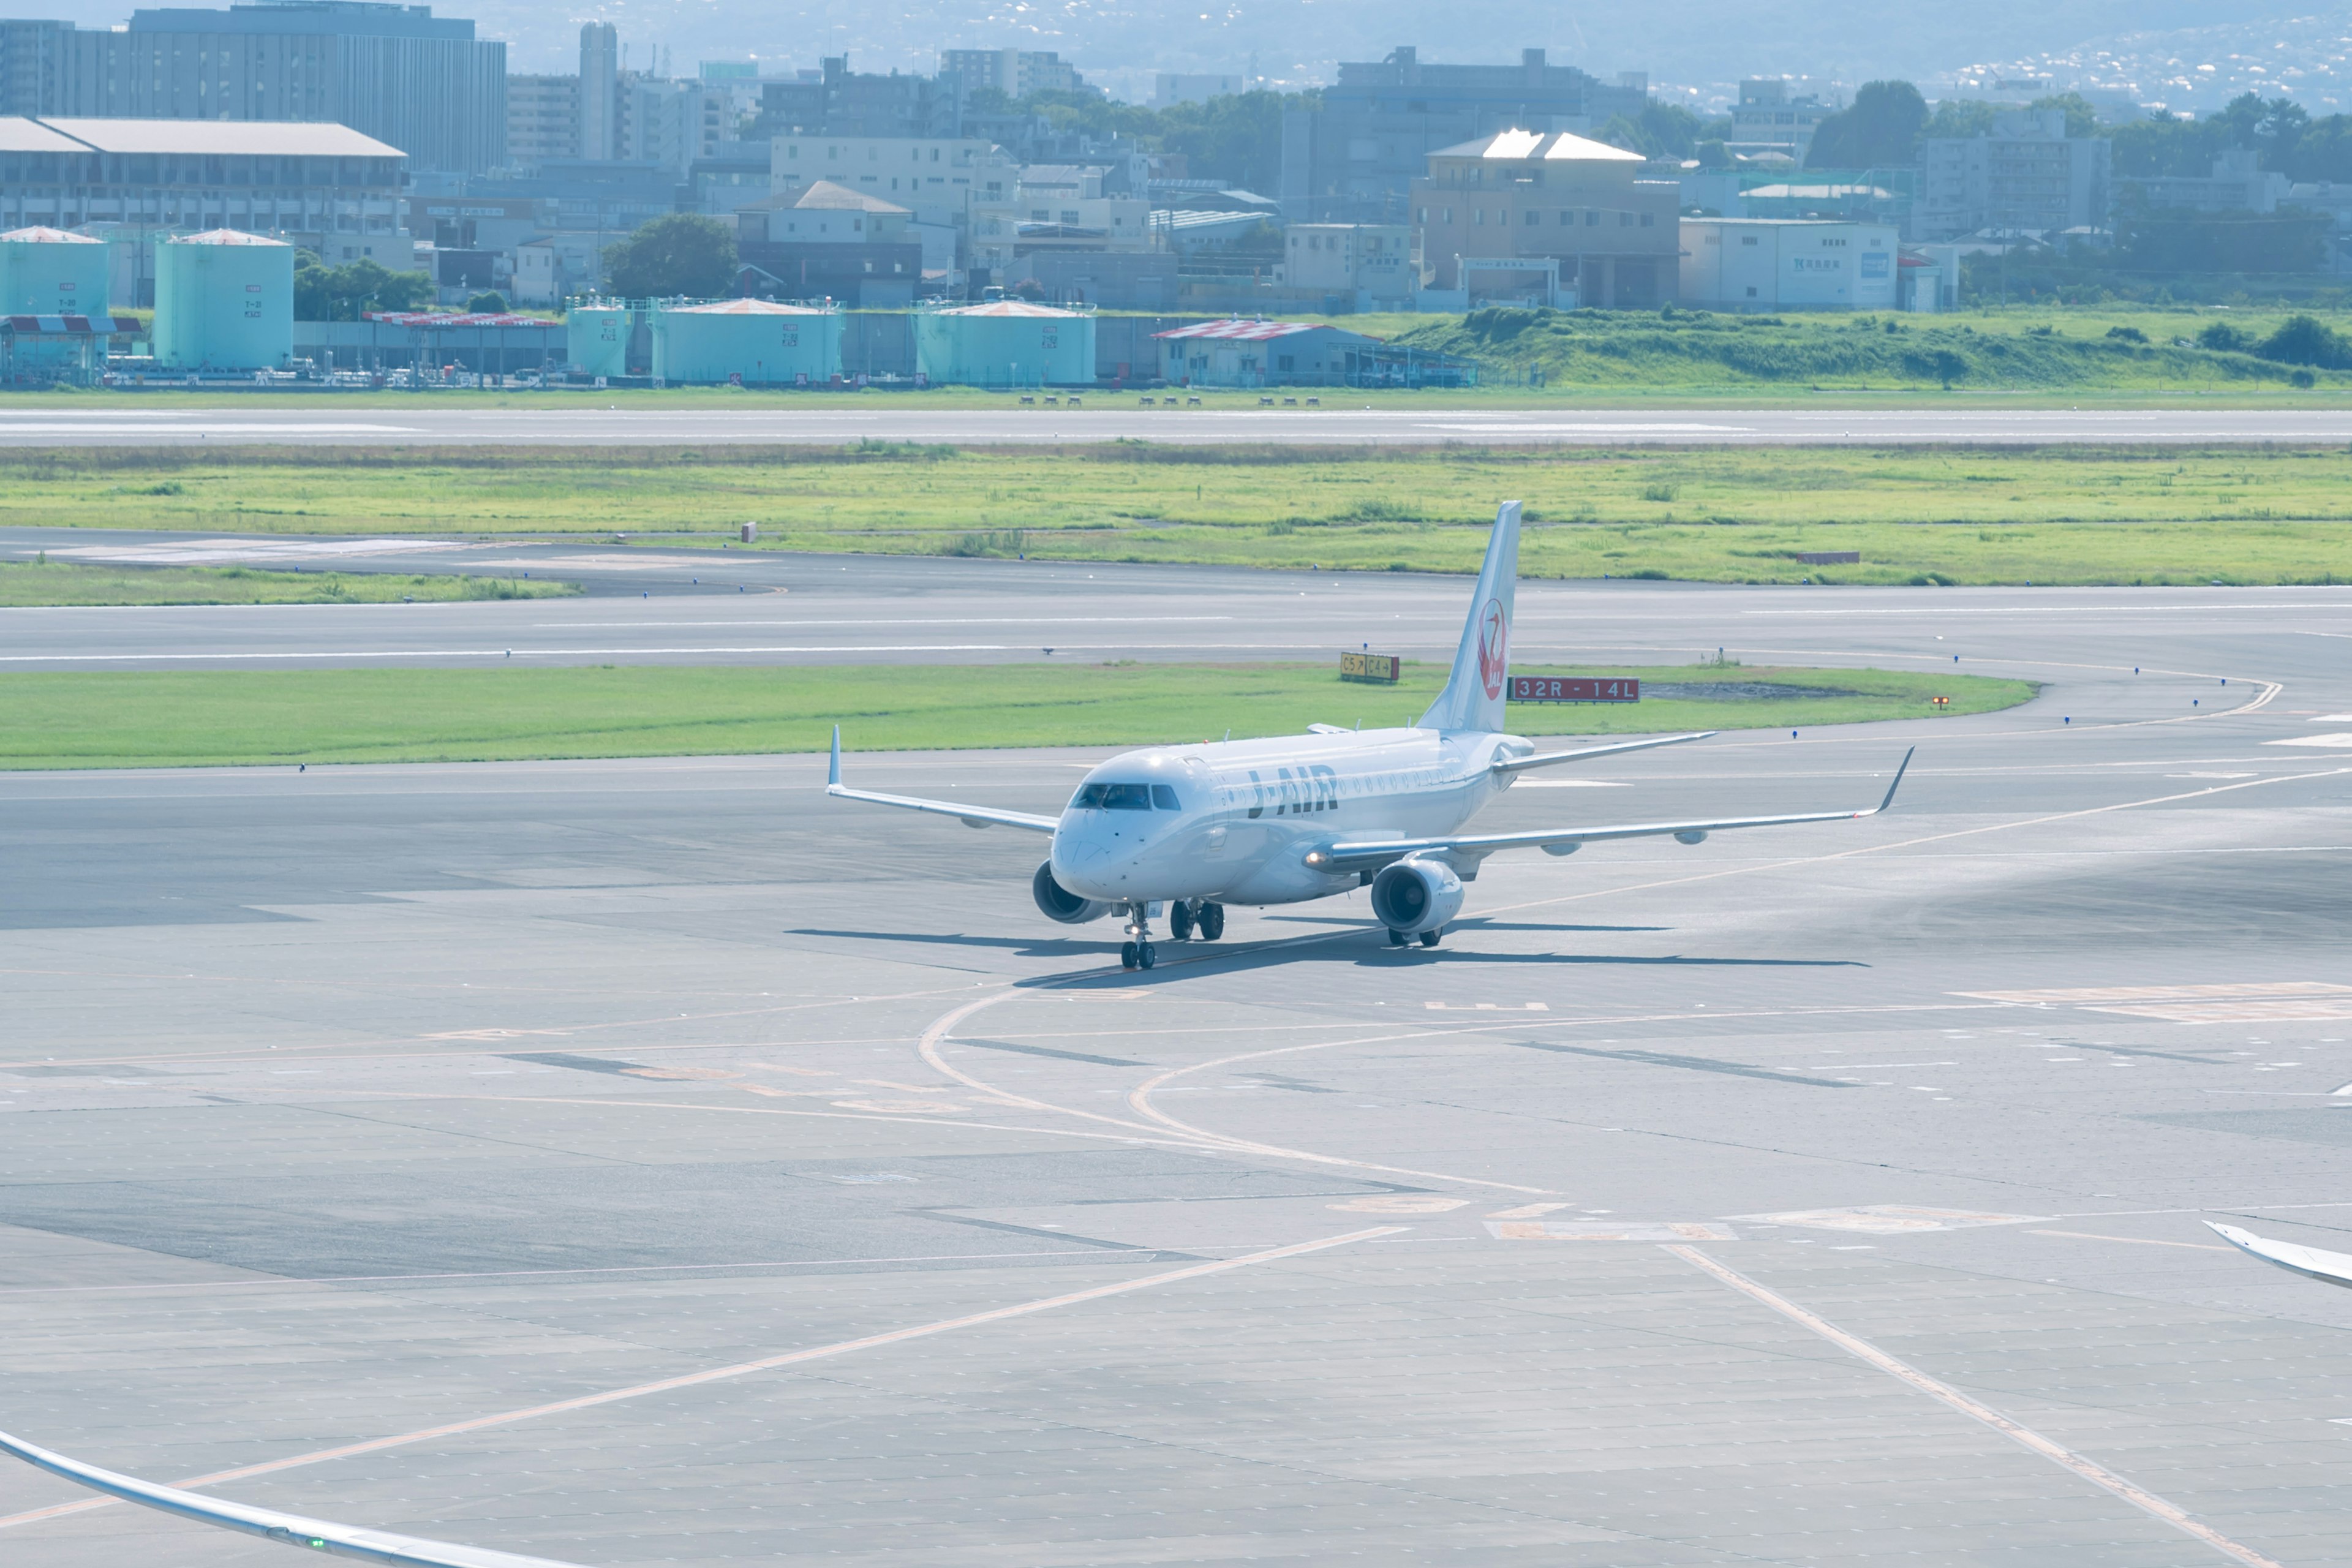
column 668, row 606
column 569, row 422
column 350, row 1104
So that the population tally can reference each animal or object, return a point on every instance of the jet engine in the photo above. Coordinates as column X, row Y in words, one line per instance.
column 1416, row 896
column 1060, row 903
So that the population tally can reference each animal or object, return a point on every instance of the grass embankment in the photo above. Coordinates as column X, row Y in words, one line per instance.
column 143, row 719
column 1605, row 349
column 1927, row 514
column 24, row 584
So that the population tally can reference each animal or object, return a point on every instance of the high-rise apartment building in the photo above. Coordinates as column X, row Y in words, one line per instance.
column 397, row 73
column 1015, row 73
column 842, row 102
column 2026, row 176
column 599, row 90
column 542, row 119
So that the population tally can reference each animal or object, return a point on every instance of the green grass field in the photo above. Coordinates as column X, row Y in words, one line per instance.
column 23, row 584
column 212, row 718
column 1927, row 514
column 2071, row 351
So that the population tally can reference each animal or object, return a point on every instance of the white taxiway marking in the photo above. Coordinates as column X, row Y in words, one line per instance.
column 2337, row 740
column 2098, row 1475
column 767, row 1364
column 1500, row 428
column 205, row 550
column 86, row 427
column 783, row 623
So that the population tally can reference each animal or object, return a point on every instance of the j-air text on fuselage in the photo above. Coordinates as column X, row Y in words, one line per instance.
column 1294, row 818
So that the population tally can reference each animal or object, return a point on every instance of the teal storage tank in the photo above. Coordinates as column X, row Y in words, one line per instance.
column 1005, row 343
column 756, row 342
column 224, row 301
column 49, row 272
column 596, row 337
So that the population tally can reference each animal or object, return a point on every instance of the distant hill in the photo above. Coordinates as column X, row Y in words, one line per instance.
column 1296, row 41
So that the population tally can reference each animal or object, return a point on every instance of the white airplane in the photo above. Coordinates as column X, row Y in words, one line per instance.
column 1281, row 821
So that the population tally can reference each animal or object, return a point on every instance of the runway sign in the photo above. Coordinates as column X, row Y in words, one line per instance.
column 1573, row 688
column 1382, row 667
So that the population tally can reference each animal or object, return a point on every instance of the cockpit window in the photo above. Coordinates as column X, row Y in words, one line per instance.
column 1117, row 797
column 1164, row 797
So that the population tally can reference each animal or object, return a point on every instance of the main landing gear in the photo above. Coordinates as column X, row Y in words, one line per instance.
column 1186, row 919
column 1399, row 939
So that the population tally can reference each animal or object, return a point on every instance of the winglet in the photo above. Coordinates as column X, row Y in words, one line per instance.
column 1882, row 805
column 832, row 780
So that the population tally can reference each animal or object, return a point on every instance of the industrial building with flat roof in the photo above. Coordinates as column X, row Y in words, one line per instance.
column 1790, row 264
column 1552, row 198
column 422, row 82
column 327, row 188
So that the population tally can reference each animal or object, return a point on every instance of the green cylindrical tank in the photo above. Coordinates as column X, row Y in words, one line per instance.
column 758, row 342
column 596, row 337
column 224, row 300
column 49, row 272
column 1006, row 342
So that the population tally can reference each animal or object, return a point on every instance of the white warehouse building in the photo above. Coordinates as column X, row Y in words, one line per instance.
column 1790, row 264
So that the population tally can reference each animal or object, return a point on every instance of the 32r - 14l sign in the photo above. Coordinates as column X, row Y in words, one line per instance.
column 1574, row 689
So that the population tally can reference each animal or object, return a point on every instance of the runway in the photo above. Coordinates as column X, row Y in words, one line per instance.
column 652, row 1161
column 569, row 420
column 659, row 606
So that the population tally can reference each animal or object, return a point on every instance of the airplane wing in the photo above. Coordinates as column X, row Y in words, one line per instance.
column 290, row 1529
column 2329, row 1267
column 971, row 815
column 1370, row 855
column 1516, row 765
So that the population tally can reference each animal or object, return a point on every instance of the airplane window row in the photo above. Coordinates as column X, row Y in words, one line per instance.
column 1124, row 797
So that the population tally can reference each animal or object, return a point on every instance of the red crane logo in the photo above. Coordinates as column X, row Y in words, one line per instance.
column 1494, row 648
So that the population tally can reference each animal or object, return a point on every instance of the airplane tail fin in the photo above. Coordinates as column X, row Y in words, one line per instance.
column 1473, row 695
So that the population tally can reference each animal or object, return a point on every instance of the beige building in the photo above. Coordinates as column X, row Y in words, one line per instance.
column 932, row 177
column 1550, row 197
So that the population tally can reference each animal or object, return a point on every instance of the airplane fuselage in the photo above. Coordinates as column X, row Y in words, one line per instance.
column 1233, row 822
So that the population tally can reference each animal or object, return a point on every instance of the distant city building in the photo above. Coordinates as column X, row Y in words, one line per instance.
column 841, row 102
column 1768, row 119
column 542, row 119
column 2237, row 183
column 600, row 91
column 670, row 123
column 1789, row 264
column 1355, row 157
column 1015, row 73
column 1370, row 262
column 2027, row 176
column 325, row 188
column 1050, row 208
column 1521, row 196
column 1171, row 87
column 395, row 72
column 934, row 177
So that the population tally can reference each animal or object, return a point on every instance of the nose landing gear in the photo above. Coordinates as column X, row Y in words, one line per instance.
column 1137, row 952
column 1186, row 919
